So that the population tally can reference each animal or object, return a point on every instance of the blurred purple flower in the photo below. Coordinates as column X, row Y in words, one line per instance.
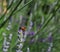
column 31, row 23
column 50, row 47
column 50, row 38
column 31, row 33
column 23, row 33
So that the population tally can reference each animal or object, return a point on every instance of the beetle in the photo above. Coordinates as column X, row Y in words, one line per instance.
column 23, row 28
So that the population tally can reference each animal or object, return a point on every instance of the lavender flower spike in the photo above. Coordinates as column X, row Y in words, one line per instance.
column 50, row 38
column 31, row 33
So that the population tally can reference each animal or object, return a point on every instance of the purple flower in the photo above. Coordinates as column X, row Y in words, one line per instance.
column 23, row 33
column 31, row 33
column 31, row 24
column 50, row 38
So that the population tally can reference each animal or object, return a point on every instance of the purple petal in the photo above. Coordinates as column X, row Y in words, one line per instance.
column 31, row 33
column 50, row 39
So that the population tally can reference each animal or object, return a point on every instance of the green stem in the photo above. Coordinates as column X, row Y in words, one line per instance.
column 7, row 10
column 1, row 25
column 22, row 7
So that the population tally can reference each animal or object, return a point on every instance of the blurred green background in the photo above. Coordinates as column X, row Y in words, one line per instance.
column 45, row 16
